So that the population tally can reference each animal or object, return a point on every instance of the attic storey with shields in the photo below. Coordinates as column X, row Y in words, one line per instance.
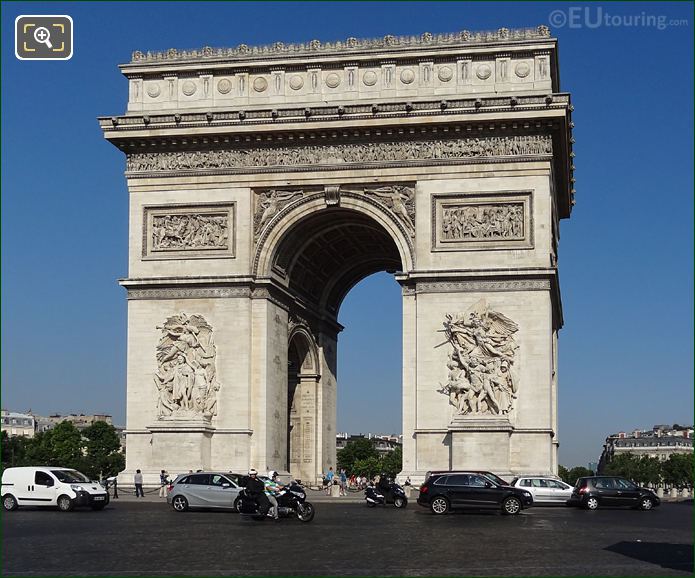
column 265, row 182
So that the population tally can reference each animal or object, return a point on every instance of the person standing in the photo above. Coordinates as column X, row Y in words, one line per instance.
column 343, row 483
column 164, row 482
column 137, row 478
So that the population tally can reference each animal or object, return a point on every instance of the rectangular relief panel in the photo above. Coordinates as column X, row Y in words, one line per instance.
column 201, row 231
column 482, row 221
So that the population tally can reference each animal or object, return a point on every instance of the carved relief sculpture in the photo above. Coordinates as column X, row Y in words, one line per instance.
column 483, row 221
column 450, row 149
column 481, row 380
column 186, row 376
column 191, row 231
column 400, row 200
column 269, row 204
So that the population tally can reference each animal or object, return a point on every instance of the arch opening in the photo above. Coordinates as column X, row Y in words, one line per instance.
column 319, row 259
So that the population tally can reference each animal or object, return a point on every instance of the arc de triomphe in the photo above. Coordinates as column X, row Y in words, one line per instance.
column 266, row 181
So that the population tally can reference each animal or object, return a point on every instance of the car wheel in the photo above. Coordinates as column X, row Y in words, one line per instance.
column 439, row 505
column 591, row 503
column 646, row 504
column 179, row 503
column 9, row 502
column 236, row 505
column 400, row 502
column 65, row 503
column 511, row 506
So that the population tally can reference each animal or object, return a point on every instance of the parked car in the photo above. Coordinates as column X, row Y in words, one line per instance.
column 545, row 490
column 444, row 491
column 205, row 490
column 50, row 486
column 594, row 491
column 495, row 478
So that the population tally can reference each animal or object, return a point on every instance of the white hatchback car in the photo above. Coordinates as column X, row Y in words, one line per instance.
column 545, row 490
column 49, row 486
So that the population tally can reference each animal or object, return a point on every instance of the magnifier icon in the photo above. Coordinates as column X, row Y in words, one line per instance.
column 43, row 36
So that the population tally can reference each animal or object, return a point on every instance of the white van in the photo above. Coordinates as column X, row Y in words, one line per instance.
column 48, row 486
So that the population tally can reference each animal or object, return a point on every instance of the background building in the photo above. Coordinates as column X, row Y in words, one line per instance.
column 18, row 424
column 383, row 443
column 661, row 442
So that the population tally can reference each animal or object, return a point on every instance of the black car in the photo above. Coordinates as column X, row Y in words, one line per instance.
column 444, row 491
column 594, row 491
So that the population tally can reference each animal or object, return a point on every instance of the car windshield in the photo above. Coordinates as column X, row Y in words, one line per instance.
column 499, row 481
column 70, row 476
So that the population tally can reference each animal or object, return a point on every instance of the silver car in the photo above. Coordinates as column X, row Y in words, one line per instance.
column 205, row 490
column 545, row 490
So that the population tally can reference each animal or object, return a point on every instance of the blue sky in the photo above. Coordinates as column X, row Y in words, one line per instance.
column 626, row 255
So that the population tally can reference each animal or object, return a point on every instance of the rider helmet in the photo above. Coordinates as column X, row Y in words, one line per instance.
column 253, row 472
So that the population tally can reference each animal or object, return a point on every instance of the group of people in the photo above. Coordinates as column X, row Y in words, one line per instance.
column 354, row 482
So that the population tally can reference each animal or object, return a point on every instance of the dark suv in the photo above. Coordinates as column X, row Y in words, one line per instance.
column 595, row 491
column 444, row 491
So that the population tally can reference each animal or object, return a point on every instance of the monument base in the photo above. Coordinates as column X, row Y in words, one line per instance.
column 481, row 443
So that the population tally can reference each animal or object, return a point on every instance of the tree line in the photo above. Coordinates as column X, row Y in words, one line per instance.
column 359, row 457
column 676, row 471
column 94, row 451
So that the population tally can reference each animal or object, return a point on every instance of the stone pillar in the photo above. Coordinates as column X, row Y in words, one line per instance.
column 269, row 386
column 409, row 376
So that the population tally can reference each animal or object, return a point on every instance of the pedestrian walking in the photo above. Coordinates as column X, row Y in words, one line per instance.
column 115, row 488
column 137, row 478
column 164, row 482
column 329, row 480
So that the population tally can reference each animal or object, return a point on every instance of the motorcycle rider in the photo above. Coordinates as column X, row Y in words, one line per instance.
column 271, row 488
column 255, row 489
column 384, row 485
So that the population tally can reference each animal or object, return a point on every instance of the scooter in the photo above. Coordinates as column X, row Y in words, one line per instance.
column 395, row 496
column 291, row 502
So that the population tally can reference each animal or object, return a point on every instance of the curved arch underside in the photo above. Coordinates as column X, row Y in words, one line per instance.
column 327, row 253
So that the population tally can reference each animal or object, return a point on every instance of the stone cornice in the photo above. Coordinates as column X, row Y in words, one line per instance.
column 113, row 126
column 349, row 47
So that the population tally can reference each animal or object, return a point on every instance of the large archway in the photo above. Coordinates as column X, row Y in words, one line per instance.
column 319, row 258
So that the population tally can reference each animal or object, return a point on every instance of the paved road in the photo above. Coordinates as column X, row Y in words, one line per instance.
column 346, row 538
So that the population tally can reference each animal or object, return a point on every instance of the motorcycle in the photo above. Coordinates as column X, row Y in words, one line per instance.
column 395, row 496
column 291, row 502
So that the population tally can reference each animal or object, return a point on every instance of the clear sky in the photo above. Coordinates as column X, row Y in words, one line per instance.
column 626, row 255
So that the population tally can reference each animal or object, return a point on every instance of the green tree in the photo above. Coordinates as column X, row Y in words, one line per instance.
column 564, row 474
column 625, row 465
column 678, row 470
column 369, row 467
column 356, row 450
column 392, row 462
column 649, row 471
column 102, row 457
column 578, row 472
column 61, row 446
column 13, row 450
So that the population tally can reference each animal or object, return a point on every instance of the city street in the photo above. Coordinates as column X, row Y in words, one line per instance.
column 347, row 538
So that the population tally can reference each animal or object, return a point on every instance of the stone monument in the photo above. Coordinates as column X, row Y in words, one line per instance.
column 266, row 181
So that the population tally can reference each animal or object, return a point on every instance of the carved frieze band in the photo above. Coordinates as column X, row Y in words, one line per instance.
column 483, row 285
column 466, row 222
column 188, row 231
column 250, row 159
column 188, row 292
